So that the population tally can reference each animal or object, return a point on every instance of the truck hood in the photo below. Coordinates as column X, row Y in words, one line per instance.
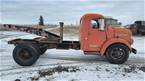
column 123, row 33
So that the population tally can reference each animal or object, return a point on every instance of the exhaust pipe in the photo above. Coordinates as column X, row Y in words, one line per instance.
column 61, row 31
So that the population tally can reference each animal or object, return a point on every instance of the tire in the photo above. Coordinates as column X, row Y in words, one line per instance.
column 25, row 55
column 117, row 54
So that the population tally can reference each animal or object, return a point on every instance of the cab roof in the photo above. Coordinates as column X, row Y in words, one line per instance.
column 92, row 15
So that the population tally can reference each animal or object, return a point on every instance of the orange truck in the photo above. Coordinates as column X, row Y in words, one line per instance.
column 96, row 37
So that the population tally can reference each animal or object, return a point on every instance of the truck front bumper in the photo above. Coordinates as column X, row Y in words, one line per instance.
column 133, row 50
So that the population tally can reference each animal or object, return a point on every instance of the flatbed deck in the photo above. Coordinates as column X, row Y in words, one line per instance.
column 47, row 43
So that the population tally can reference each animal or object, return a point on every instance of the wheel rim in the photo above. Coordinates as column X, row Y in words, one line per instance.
column 117, row 53
column 24, row 55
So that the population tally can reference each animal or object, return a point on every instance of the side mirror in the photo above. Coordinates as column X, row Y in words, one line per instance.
column 102, row 24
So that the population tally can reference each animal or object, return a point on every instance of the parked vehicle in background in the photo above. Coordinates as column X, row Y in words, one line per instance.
column 138, row 28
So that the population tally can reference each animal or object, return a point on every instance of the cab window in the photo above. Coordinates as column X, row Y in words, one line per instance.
column 95, row 24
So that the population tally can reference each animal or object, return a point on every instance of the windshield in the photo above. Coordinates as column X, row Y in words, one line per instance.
column 112, row 22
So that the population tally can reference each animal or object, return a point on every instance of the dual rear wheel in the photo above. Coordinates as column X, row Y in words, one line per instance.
column 27, row 55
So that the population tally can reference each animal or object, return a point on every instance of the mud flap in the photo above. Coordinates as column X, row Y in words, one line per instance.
column 133, row 50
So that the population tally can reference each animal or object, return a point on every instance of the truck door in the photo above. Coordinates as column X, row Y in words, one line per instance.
column 95, row 37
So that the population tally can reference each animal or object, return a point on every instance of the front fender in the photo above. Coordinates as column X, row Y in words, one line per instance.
column 111, row 42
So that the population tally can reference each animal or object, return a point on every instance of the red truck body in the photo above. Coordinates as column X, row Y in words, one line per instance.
column 95, row 36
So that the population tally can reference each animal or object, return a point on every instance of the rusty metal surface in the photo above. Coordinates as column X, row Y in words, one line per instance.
column 48, row 39
column 61, row 31
column 33, row 41
column 43, row 42
column 32, row 30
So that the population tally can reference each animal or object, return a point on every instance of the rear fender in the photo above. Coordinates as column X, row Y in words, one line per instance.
column 111, row 42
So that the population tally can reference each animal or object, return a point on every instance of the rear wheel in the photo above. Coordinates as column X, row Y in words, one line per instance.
column 117, row 54
column 25, row 55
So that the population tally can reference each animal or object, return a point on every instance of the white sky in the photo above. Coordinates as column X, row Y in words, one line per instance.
column 69, row 11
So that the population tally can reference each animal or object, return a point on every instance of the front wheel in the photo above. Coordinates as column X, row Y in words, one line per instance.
column 117, row 53
column 25, row 55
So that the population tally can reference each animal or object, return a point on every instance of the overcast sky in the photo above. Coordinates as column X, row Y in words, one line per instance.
column 69, row 11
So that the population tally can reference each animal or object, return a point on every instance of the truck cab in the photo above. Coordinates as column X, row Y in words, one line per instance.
column 97, row 36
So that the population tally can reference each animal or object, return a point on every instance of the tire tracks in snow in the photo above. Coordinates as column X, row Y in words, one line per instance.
column 31, row 68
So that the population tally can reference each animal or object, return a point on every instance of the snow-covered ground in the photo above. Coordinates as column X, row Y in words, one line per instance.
column 70, row 65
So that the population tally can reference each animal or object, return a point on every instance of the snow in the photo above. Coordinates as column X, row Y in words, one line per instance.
column 76, row 66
